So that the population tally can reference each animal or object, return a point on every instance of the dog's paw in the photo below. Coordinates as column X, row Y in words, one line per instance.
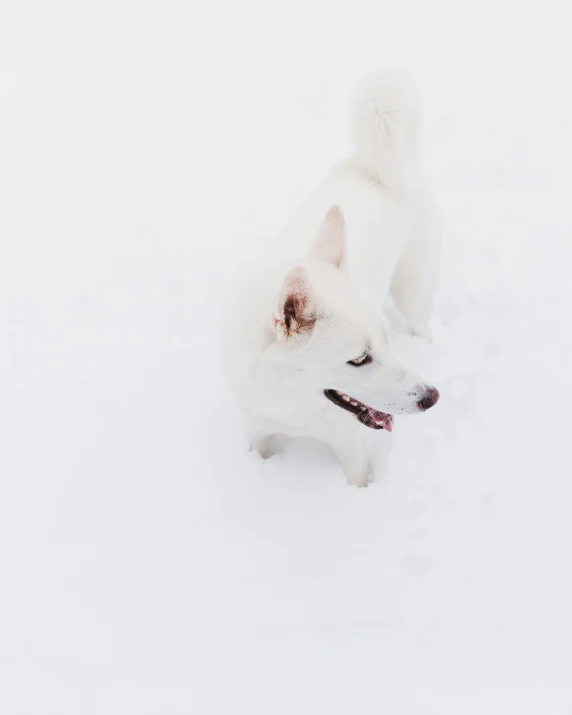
column 359, row 484
column 265, row 446
column 359, row 477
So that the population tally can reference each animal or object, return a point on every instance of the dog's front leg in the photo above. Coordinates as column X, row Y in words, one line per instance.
column 350, row 446
column 261, row 437
column 354, row 460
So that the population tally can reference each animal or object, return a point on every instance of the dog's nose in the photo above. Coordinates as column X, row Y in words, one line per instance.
column 429, row 399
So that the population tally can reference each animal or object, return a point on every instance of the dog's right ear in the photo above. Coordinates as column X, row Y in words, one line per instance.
column 295, row 315
column 330, row 242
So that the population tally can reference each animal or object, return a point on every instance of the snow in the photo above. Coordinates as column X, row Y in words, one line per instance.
column 149, row 563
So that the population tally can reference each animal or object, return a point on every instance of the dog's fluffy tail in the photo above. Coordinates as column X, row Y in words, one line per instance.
column 385, row 120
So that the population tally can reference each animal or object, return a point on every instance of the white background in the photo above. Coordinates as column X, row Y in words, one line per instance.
column 148, row 563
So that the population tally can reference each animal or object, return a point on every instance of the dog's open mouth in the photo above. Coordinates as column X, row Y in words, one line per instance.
column 366, row 415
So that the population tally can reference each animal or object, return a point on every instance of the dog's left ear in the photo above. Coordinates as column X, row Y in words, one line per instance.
column 296, row 312
column 330, row 243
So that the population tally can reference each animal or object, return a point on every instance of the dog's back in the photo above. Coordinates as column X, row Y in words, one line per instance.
column 381, row 188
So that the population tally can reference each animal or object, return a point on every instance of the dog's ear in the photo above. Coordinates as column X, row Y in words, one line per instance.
column 295, row 315
column 330, row 243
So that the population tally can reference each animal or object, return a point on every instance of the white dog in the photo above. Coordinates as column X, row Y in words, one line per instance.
column 304, row 346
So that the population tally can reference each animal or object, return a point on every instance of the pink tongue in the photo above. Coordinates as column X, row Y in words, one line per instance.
column 381, row 418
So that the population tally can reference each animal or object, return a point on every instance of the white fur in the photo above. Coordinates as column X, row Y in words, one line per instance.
column 315, row 301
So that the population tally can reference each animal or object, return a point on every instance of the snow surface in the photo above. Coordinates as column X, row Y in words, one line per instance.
column 148, row 563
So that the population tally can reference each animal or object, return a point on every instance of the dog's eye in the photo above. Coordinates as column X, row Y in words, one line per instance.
column 361, row 360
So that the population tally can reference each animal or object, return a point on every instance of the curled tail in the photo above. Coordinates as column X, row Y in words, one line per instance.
column 385, row 122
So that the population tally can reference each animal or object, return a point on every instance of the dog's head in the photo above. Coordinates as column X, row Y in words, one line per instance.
column 330, row 344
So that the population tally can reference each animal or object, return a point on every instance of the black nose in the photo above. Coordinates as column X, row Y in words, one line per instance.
column 429, row 398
